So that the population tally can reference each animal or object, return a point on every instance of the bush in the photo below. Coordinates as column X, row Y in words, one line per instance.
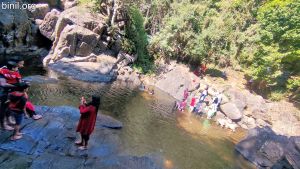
column 136, row 35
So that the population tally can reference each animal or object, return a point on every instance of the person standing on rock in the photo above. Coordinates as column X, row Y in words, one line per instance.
column 16, row 106
column 87, row 121
column 8, row 76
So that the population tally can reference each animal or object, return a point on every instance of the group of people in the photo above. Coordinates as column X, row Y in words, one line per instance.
column 15, row 104
column 14, row 101
column 199, row 102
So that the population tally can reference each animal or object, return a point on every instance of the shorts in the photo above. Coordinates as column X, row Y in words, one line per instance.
column 18, row 115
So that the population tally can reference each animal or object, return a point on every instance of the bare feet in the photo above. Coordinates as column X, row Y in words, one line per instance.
column 16, row 137
column 78, row 143
column 82, row 148
column 19, row 134
column 37, row 117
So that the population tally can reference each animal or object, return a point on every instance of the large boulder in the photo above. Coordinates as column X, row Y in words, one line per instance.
column 237, row 97
column 231, row 111
column 85, row 71
column 76, row 41
column 47, row 26
column 81, row 17
column 77, row 32
column 267, row 150
column 178, row 75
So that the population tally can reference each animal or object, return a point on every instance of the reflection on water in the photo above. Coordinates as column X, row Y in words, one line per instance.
column 151, row 126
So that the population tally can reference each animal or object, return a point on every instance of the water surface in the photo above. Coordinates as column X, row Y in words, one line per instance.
column 151, row 127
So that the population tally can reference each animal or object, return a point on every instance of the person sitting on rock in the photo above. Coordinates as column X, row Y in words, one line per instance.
column 16, row 106
column 30, row 109
column 88, row 116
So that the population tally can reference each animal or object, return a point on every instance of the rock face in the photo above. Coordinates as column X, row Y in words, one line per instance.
column 50, row 142
column 17, row 33
column 179, row 80
column 79, row 40
column 86, row 71
column 47, row 26
column 40, row 11
column 267, row 150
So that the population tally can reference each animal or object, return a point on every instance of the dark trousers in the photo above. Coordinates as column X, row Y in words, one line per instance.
column 85, row 138
column 3, row 109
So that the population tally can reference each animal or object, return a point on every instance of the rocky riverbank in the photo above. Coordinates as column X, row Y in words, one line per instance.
column 50, row 142
column 274, row 128
column 247, row 109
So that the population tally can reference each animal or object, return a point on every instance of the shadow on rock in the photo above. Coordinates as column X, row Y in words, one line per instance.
column 267, row 150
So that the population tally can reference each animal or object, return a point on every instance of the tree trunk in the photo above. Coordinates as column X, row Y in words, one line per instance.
column 115, row 11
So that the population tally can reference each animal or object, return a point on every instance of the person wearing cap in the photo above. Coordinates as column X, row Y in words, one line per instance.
column 8, row 76
column 16, row 106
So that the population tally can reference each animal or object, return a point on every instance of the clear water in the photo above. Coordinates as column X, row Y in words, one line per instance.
column 150, row 125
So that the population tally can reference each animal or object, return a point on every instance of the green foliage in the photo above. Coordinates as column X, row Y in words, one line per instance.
column 261, row 36
column 293, row 83
column 210, row 31
column 277, row 95
column 278, row 57
column 136, row 34
column 180, row 34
